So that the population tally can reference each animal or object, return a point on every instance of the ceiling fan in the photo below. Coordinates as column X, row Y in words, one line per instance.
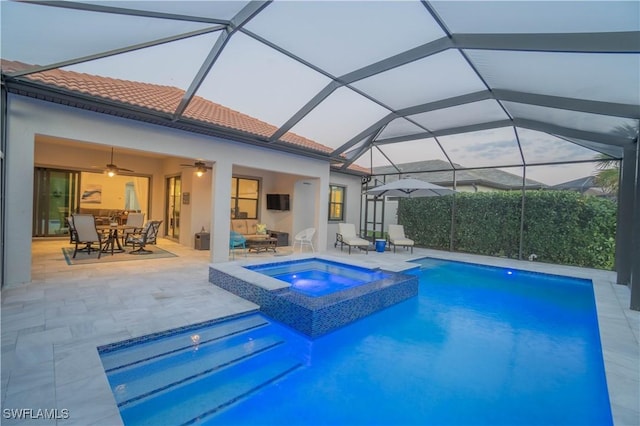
column 200, row 166
column 112, row 170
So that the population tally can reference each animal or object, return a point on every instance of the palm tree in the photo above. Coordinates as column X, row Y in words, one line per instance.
column 608, row 178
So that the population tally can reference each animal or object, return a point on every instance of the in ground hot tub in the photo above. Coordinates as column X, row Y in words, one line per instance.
column 315, row 295
column 318, row 277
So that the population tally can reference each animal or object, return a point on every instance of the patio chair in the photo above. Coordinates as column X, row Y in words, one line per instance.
column 304, row 238
column 237, row 240
column 72, row 230
column 86, row 233
column 347, row 235
column 397, row 238
column 146, row 236
column 133, row 219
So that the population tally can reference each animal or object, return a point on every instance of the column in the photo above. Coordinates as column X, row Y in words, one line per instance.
column 221, row 174
column 626, row 197
column 635, row 249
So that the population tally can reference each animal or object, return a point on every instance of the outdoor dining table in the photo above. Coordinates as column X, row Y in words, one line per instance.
column 113, row 242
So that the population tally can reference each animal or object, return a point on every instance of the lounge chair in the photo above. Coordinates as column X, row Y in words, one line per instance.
column 347, row 235
column 397, row 238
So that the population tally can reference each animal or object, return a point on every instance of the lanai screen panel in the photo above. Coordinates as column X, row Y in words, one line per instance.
column 343, row 36
column 223, row 10
column 339, row 118
column 611, row 150
column 556, row 174
column 440, row 76
column 415, row 151
column 461, row 115
column 257, row 80
column 445, row 179
column 538, row 17
column 373, row 159
column 606, row 77
column 398, row 128
column 540, row 148
column 485, row 148
column 575, row 119
column 64, row 34
column 150, row 65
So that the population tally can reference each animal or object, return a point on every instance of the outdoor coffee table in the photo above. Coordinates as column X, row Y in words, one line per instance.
column 258, row 245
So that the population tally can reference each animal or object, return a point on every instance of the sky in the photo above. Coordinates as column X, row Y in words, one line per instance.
column 257, row 80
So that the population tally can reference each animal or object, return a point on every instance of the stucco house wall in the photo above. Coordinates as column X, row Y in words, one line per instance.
column 30, row 119
column 353, row 194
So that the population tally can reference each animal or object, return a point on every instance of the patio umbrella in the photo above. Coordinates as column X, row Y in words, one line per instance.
column 409, row 188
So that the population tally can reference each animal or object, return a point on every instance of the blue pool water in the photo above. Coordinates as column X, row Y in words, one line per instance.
column 479, row 346
column 319, row 277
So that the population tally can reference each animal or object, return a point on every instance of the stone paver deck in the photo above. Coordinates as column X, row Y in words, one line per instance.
column 52, row 326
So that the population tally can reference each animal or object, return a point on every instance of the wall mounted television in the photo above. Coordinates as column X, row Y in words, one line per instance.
column 278, row 202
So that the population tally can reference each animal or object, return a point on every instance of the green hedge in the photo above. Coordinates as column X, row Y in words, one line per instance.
column 559, row 226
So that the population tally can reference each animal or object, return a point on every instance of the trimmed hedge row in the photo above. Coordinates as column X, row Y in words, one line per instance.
column 559, row 226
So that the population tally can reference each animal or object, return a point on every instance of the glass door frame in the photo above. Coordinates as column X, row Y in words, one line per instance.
column 173, row 206
column 43, row 195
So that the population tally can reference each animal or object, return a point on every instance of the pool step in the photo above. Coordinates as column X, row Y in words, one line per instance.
column 116, row 359
column 171, row 383
column 197, row 399
column 143, row 379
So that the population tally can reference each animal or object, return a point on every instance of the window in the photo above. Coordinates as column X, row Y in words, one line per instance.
column 244, row 198
column 336, row 202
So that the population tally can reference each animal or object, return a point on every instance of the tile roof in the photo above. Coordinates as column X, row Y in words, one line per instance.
column 163, row 99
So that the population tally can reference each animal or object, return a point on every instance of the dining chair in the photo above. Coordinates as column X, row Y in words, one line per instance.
column 133, row 219
column 146, row 236
column 304, row 238
column 88, row 234
column 72, row 230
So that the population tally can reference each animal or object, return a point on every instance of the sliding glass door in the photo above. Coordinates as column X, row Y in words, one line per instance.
column 56, row 195
column 172, row 215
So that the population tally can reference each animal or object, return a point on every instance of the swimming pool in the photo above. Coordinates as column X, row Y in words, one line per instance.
column 318, row 277
column 480, row 345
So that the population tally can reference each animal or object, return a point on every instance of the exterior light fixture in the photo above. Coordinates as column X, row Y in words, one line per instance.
column 200, row 166
column 111, row 169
